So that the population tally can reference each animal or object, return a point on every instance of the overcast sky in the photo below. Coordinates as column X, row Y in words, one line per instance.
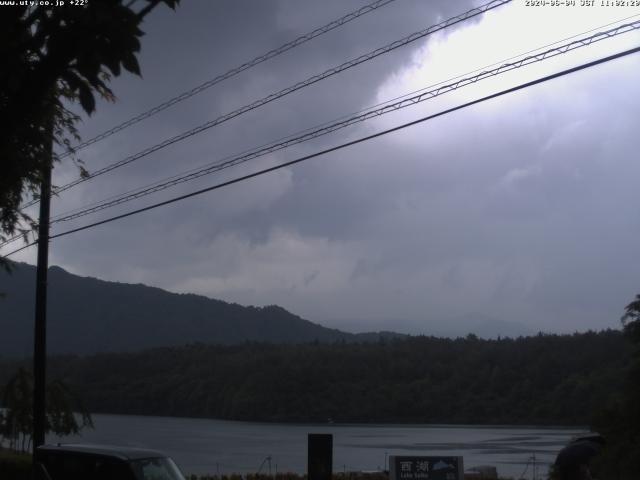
column 522, row 209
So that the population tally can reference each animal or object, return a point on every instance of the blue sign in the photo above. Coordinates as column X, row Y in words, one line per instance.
column 426, row 468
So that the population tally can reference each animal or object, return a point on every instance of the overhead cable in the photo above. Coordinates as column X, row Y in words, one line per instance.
column 293, row 88
column 324, row 130
column 345, row 121
column 344, row 117
column 343, row 145
column 224, row 76
column 233, row 72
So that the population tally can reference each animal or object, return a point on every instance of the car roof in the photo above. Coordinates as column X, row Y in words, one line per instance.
column 121, row 452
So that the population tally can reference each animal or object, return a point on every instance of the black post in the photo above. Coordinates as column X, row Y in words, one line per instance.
column 40, row 331
column 320, row 456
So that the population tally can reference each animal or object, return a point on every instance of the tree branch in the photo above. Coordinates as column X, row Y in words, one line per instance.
column 146, row 10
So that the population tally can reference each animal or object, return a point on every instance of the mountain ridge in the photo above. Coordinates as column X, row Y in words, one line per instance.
column 127, row 317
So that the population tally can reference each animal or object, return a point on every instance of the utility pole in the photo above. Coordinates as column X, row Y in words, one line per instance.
column 40, row 330
column 535, row 473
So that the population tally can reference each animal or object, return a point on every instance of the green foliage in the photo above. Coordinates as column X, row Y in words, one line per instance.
column 15, row 466
column 292, row 476
column 16, row 422
column 61, row 407
column 52, row 56
column 236, row 476
column 620, row 420
column 296, row 476
column 631, row 320
column 546, row 379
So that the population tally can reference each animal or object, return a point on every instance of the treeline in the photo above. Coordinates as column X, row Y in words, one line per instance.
column 543, row 380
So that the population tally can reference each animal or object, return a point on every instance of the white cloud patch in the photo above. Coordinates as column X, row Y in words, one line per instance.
column 514, row 178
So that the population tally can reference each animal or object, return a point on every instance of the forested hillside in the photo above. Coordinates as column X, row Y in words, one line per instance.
column 546, row 379
column 87, row 315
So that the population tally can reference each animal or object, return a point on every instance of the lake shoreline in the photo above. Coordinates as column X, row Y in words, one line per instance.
column 359, row 424
column 204, row 446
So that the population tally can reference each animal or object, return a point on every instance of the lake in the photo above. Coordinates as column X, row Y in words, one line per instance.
column 218, row 446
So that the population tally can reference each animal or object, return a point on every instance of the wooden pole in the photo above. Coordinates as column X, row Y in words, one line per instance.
column 40, row 330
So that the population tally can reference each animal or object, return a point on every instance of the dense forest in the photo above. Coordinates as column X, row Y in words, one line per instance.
column 545, row 379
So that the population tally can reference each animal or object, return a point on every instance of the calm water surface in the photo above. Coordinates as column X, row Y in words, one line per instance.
column 211, row 446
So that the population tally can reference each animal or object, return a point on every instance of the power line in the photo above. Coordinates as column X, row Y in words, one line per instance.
column 293, row 88
column 347, row 120
column 343, row 145
column 225, row 76
column 234, row 71
column 308, row 130
column 324, row 130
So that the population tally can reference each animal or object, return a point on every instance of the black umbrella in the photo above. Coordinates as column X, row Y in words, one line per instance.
column 592, row 437
column 578, row 452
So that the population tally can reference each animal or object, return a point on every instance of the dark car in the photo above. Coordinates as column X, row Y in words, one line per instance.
column 102, row 462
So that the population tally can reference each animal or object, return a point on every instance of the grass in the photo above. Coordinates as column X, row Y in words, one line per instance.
column 15, row 466
column 290, row 476
column 296, row 476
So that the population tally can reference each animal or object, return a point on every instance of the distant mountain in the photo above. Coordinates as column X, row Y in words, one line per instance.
column 87, row 315
column 478, row 324
column 487, row 327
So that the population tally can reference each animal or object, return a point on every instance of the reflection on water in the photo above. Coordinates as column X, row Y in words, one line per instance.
column 212, row 446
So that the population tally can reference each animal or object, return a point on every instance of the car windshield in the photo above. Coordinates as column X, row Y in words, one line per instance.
column 156, row 469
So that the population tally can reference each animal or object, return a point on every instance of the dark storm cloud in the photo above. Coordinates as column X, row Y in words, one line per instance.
column 523, row 209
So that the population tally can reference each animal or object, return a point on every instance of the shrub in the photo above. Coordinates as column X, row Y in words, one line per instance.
column 15, row 466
